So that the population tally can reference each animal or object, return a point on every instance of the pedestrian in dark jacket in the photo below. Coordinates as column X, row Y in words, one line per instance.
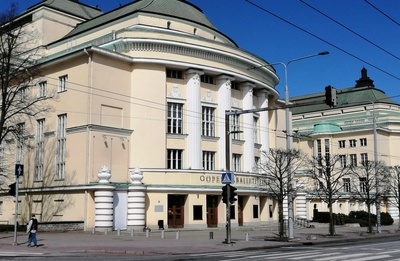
column 31, row 229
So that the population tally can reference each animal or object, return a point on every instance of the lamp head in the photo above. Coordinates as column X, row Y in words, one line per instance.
column 323, row 53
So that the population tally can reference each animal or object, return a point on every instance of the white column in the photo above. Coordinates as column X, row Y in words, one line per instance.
column 104, row 201
column 347, row 208
column 247, row 128
column 136, row 200
column 224, row 104
column 264, row 120
column 392, row 209
column 301, row 205
column 193, row 122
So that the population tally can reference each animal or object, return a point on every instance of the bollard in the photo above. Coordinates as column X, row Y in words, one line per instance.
column 94, row 230
column 147, row 233
column 118, row 232
column 132, row 232
column 177, row 235
column 106, row 232
column 211, row 235
column 247, row 236
column 162, row 234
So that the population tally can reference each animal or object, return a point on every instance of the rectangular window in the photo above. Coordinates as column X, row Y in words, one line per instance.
column 19, row 144
column 342, row 159
column 363, row 184
column 39, row 150
column 271, row 211
column 327, row 151
column 352, row 143
column 353, row 160
column 207, row 79
column 208, row 122
column 198, row 212
column 342, row 144
column 319, row 152
column 363, row 142
column 208, row 160
column 235, row 127
column 42, row 89
column 346, row 185
column 255, row 129
column 2, row 159
column 235, row 86
column 236, row 159
column 175, row 121
column 175, row 74
column 255, row 211
column 62, row 83
column 364, row 159
column 61, row 146
column 256, row 164
column 174, row 159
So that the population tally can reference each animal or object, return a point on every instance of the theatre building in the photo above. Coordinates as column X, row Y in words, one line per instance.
column 137, row 133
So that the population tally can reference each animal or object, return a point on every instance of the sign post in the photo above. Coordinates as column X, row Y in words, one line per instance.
column 19, row 171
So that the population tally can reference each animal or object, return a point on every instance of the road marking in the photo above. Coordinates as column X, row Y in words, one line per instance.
column 370, row 258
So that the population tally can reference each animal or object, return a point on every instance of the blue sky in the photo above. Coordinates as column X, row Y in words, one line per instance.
column 282, row 30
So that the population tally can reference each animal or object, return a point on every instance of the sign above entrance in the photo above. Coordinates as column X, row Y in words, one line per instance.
column 227, row 178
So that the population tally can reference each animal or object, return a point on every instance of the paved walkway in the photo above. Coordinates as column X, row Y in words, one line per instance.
column 178, row 241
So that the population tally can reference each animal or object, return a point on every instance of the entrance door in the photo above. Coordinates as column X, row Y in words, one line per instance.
column 212, row 211
column 176, row 213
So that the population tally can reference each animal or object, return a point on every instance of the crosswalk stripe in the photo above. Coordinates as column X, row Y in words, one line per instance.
column 312, row 256
column 371, row 258
column 288, row 255
column 342, row 256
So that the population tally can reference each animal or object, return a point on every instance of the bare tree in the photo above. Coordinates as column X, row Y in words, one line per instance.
column 328, row 174
column 364, row 184
column 392, row 189
column 279, row 166
column 19, row 70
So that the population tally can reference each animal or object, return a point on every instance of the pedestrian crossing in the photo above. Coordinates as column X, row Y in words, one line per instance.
column 309, row 254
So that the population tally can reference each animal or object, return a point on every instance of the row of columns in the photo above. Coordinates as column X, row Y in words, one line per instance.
column 194, row 119
column 104, row 201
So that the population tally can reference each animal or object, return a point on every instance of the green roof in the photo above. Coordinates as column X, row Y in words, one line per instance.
column 173, row 8
column 72, row 7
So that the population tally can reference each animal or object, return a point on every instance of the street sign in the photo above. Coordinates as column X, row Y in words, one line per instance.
column 227, row 178
column 19, row 170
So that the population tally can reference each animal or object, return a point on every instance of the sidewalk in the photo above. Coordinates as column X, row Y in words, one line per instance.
column 179, row 241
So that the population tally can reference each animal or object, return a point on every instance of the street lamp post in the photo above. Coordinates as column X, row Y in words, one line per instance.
column 288, row 143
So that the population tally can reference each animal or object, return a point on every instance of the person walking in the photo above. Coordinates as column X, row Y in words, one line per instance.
column 31, row 229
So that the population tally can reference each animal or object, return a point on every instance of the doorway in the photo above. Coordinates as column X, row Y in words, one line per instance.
column 176, row 211
column 212, row 211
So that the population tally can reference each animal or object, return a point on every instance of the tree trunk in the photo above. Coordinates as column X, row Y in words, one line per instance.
column 369, row 219
column 331, row 221
column 281, row 221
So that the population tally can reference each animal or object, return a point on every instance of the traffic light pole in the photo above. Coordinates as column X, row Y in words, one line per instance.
column 16, row 210
column 228, row 168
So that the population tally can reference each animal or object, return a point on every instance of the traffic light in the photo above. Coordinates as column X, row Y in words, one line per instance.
column 330, row 96
column 232, row 194
column 225, row 194
column 12, row 189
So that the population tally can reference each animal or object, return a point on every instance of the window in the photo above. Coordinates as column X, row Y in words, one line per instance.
column 346, row 185
column 342, row 159
column 363, row 142
column 174, row 74
column 62, row 83
column 235, row 86
column 255, row 211
column 208, row 160
column 353, row 160
column 61, row 146
column 22, row 94
column 363, row 184
column 255, row 129
column 342, row 144
column 352, row 143
column 174, row 159
column 175, row 121
column 236, row 158
column 270, row 211
column 198, row 212
column 319, row 152
column 364, row 159
column 42, row 89
column 327, row 152
column 235, row 127
column 207, row 79
column 256, row 163
column 208, row 122
column 2, row 159
column 19, row 144
column 39, row 150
